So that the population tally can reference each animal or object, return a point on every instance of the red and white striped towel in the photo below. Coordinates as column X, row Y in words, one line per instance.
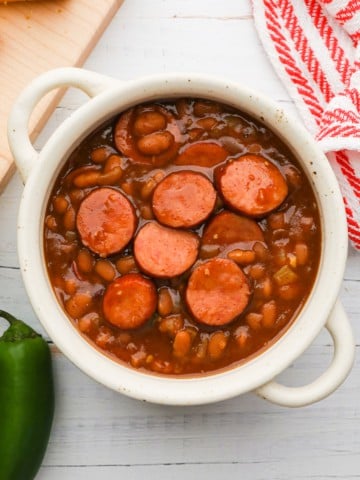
column 314, row 45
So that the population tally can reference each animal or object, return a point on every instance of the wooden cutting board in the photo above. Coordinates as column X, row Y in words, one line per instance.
column 36, row 36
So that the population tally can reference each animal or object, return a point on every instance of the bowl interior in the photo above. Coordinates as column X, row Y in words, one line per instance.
column 216, row 386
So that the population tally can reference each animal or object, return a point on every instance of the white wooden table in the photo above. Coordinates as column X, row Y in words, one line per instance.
column 98, row 434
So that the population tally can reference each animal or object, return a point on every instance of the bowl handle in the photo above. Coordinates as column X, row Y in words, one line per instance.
column 344, row 350
column 91, row 83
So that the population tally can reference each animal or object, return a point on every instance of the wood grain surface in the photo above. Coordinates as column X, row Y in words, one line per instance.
column 98, row 434
column 38, row 36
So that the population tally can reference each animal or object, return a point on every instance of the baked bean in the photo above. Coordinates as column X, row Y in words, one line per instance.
column 171, row 325
column 207, row 123
column 254, row 148
column 203, row 107
column 77, row 305
column 87, row 179
column 70, row 286
column 292, row 260
column 138, row 359
column 85, row 261
column 128, row 188
column 84, row 324
column 58, row 282
column 254, row 320
column 242, row 335
column 268, row 311
column 148, row 188
column 183, row 108
column 257, row 271
column 182, row 344
column 195, row 134
column 209, row 251
column 155, row 143
column 149, row 122
column 87, row 322
column 232, row 144
column 149, row 359
column 104, row 337
column 105, row 269
column 112, row 162
column 289, row 292
column 165, row 302
column 146, row 212
column 159, row 175
column 124, row 338
column 302, row 253
column 266, row 288
column 293, row 176
column 261, row 251
column 242, row 257
column 110, row 177
column 126, row 265
column 60, row 204
column 51, row 223
column 131, row 347
column 201, row 349
column 280, row 257
column 76, row 195
column 162, row 366
column 69, row 219
column 307, row 223
column 276, row 220
column 217, row 345
column 100, row 154
column 71, row 236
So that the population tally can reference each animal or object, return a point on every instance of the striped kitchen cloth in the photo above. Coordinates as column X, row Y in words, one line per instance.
column 314, row 46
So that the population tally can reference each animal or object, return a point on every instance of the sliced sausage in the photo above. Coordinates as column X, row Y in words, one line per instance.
column 106, row 221
column 217, row 292
column 147, row 135
column 251, row 184
column 129, row 301
column 164, row 252
column 183, row 199
column 202, row 154
column 227, row 228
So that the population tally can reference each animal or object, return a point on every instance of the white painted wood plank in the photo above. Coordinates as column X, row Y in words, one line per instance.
column 95, row 426
column 283, row 469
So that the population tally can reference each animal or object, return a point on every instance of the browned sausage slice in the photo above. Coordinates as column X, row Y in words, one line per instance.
column 183, row 199
column 227, row 228
column 106, row 221
column 202, row 154
column 252, row 185
column 217, row 292
column 164, row 252
column 129, row 301
column 148, row 135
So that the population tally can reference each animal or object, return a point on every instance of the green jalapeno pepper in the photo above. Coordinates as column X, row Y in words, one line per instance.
column 26, row 400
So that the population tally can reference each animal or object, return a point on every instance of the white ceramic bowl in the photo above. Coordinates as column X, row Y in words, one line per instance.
column 39, row 171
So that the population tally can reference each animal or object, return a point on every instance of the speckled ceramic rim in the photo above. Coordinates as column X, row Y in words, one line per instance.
column 40, row 170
